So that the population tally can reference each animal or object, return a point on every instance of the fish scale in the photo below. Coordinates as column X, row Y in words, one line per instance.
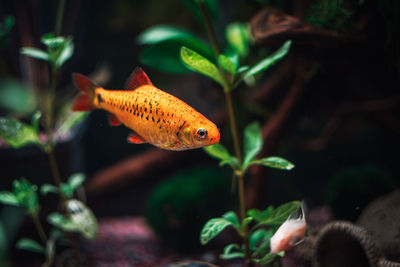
column 155, row 116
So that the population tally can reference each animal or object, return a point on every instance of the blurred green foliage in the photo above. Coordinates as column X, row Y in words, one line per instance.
column 262, row 224
column 5, row 29
column 16, row 97
column 59, row 49
column 178, row 208
column 333, row 15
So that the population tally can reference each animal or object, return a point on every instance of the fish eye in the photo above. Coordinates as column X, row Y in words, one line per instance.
column 202, row 133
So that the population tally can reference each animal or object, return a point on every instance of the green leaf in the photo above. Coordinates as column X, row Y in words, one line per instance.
column 252, row 142
column 274, row 162
column 232, row 55
column 268, row 258
column 163, row 32
column 26, row 195
column 229, row 254
column 30, row 245
column 198, row 63
column 225, row 63
column 36, row 120
column 48, row 188
column 62, row 222
column 269, row 61
column 7, row 25
column 165, row 56
column 281, row 213
column 35, row 53
column 261, row 241
column 256, row 237
column 246, row 221
column 72, row 184
column 83, row 218
column 212, row 228
column 8, row 198
column 66, row 52
column 259, row 215
column 16, row 97
column 76, row 180
column 50, row 252
column 218, row 151
column 5, row 29
column 243, row 69
column 239, row 37
column 232, row 217
column 17, row 134
column 52, row 41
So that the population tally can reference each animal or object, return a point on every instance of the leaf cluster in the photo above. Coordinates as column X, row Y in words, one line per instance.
column 252, row 145
column 68, row 188
column 261, row 224
column 24, row 194
column 49, row 250
column 59, row 50
column 18, row 134
column 5, row 29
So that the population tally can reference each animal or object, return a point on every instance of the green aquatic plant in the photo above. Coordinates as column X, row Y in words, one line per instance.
column 75, row 216
column 178, row 51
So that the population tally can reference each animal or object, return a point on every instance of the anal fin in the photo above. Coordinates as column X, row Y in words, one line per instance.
column 113, row 120
column 135, row 139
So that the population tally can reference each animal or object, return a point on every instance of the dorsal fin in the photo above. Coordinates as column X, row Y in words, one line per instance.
column 137, row 79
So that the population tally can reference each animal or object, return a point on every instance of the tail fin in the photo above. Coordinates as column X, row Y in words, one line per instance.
column 84, row 101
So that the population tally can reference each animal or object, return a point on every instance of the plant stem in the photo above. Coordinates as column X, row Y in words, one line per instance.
column 240, row 176
column 232, row 119
column 60, row 13
column 50, row 130
column 209, row 28
column 39, row 227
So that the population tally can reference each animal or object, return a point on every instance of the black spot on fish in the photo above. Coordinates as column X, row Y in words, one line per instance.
column 152, row 118
column 159, row 127
column 141, row 116
column 180, row 127
column 99, row 99
column 145, row 109
column 158, row 120
column 147, row 118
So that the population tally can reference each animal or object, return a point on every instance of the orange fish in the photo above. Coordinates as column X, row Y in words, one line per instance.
column 289, row 234
column 156, row 117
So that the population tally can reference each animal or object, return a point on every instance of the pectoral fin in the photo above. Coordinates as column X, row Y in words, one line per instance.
column 135, row 139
